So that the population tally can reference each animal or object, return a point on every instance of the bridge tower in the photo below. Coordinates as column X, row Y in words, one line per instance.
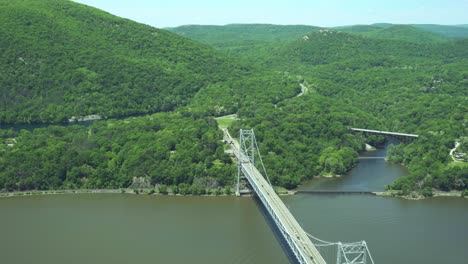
column 306, row 248
column 246, row 151
column 356, row 253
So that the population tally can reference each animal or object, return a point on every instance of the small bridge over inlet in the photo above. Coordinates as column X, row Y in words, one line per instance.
column 306, row 248
column 386, row 133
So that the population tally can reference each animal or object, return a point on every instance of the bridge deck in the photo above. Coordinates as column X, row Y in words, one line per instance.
column 384, row 132
column 295, row 236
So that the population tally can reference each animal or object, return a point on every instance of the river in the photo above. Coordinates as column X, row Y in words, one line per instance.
column 119, row 228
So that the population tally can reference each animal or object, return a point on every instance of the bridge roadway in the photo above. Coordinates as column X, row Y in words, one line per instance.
column 295, row 236
column 384, row 132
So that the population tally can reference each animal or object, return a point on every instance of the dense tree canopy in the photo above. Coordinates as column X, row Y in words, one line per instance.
column 403, row 78
column 60, row 59
column 167, row 148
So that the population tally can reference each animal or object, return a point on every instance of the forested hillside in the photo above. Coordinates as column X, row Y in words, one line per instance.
column 452, row 32
column 60, row 59
column 403, row 33
column 307, row 136
column 411, row 88
column 299, row 87
column 236, row 35
column 406, row 79
column 415, row 32
column 246, row 40
column 165, row 148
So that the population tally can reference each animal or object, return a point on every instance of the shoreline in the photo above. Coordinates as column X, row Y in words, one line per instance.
column 391, row 193
column 121, row 191
column 417, row 196
column 55, row 192
column 97, row 191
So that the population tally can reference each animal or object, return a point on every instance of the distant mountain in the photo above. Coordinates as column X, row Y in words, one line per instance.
column 382, row 25
column 328, row 46
column 358, row 28
column 243, row 33
column 406, row 33
column 451, row 32
column 60, row 59
column 386, row 30
column 246, row 37
column 269, row 45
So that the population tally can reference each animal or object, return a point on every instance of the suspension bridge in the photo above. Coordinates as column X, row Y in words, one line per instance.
column 306, row 248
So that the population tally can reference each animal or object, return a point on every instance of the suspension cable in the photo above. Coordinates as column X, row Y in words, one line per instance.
column 320, row 240
column 368, row 251
column 261, row 161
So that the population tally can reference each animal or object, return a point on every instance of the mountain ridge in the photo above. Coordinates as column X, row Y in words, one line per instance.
column 75, row 60
column 209, row 33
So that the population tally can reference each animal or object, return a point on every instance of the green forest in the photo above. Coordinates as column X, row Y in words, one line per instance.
column 406, row 78
column 109, row 154
column 159, row 92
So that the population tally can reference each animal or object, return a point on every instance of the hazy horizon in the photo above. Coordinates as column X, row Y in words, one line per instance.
column 333, row 13
column 350, row 25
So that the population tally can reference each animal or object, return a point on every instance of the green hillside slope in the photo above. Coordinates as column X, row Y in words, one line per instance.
column 327, row 46
column 404, row 33
column 414, row 32
column 244, row 40
column 409, row 87
column 242, row 33
column 405, row 79
column 358, row 28
column 60, row 59
column 451, row 32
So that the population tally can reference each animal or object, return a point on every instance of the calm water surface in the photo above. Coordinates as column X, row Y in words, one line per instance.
column 110, row 228
column 114, row 228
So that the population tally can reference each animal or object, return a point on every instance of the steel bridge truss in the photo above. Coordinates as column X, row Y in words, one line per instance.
column 353, row 253
column 248, row 146
column 246, row 151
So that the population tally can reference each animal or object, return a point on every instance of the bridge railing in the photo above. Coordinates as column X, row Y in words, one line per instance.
column 274, row 215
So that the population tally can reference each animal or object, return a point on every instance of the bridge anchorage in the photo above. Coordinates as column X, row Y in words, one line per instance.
column 306, row 248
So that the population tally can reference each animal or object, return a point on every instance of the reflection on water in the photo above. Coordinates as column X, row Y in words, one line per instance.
column 368, row 175
column 396, row 230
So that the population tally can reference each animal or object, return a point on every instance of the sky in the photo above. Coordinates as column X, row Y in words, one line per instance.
column 325, row 13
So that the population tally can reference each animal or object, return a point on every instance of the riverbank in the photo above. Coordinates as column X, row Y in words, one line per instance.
column 418, row 196
column 215, row 192
column 103, row 191
column 52, row 192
